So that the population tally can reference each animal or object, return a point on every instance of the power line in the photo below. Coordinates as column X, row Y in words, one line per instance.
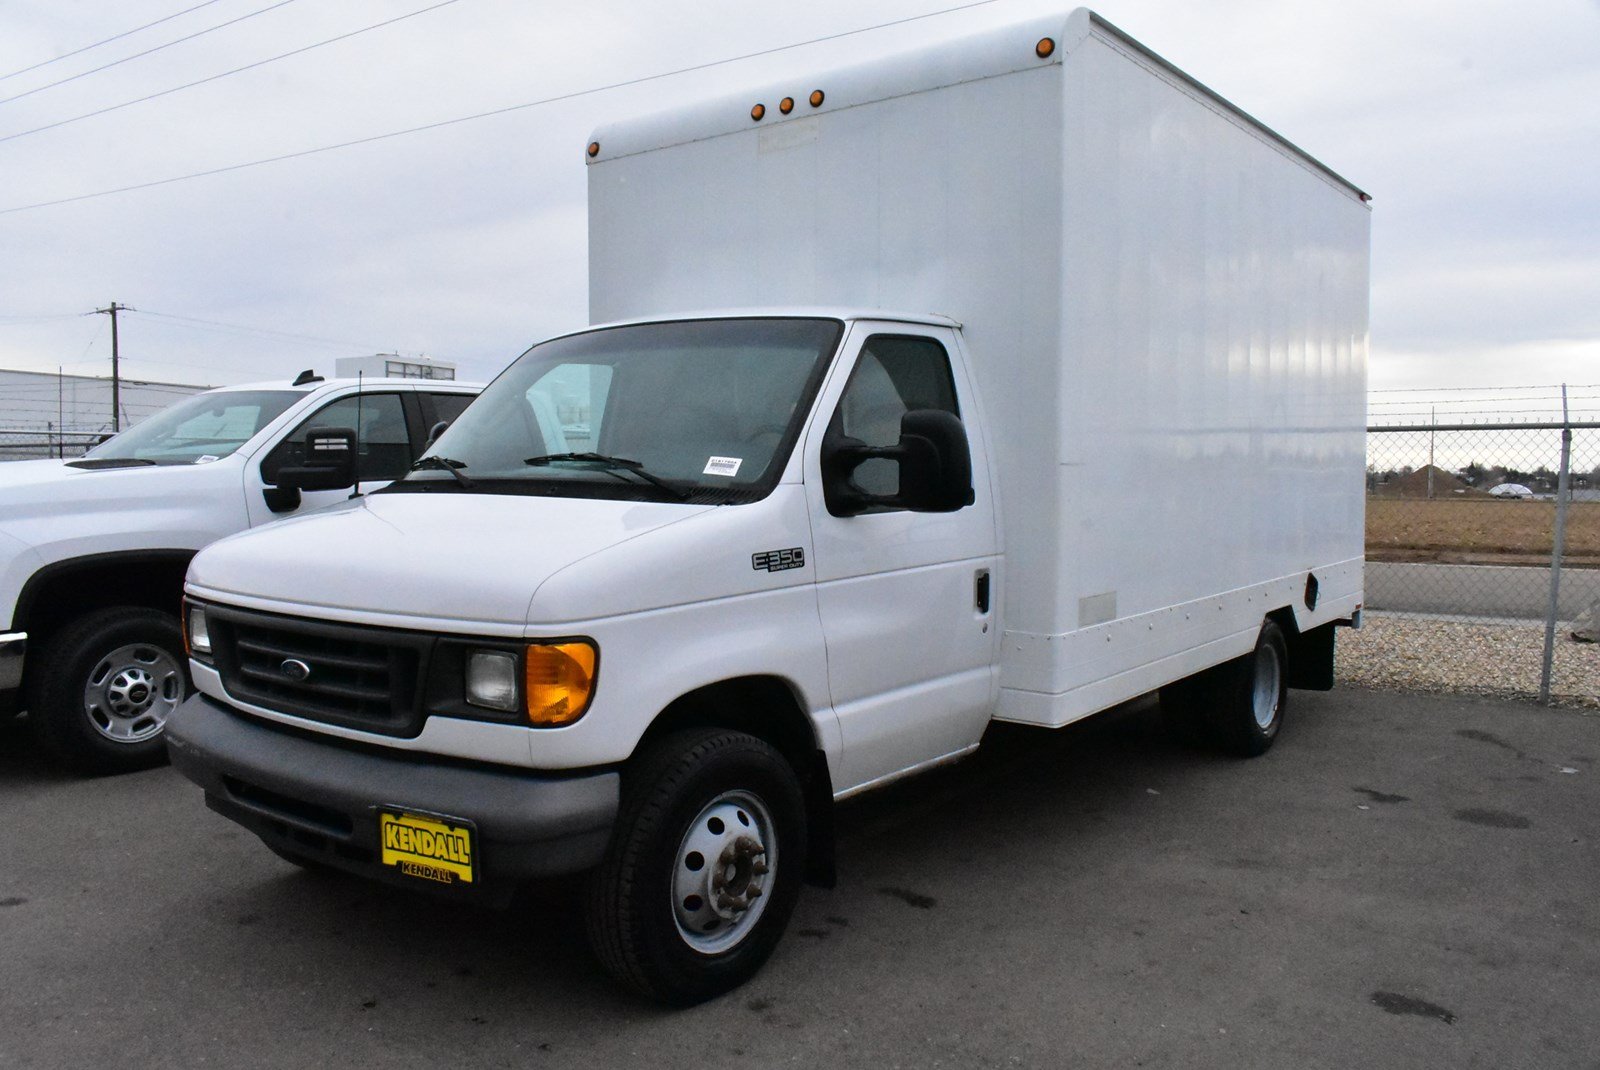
column 487, row 114
column 107, row 41
column 264, row 331
column 237, row 70
column 146, row 52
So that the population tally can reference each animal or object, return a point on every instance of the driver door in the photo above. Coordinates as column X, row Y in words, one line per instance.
column 904, row 597
column 386, row 446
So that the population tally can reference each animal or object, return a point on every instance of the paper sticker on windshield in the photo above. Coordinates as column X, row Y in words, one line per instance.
column 207, row 459
column 723, row 466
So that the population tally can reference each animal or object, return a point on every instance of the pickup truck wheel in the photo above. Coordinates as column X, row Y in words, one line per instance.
column 704, row 868
column 1250, row 693
column 103, row 689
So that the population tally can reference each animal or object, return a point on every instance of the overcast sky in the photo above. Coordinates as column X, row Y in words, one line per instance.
column 1474, row 125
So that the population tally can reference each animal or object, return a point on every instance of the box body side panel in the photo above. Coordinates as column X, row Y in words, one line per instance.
column 946, row 200
column 1214, row 340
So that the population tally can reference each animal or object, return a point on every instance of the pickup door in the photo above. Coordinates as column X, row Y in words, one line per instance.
column 393, row 430
column 911, row 652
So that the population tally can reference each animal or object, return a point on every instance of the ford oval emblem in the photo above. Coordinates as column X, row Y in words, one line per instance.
column 294, row 669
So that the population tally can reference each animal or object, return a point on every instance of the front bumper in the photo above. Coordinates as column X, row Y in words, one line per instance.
column 12, row 646
column 319, row 800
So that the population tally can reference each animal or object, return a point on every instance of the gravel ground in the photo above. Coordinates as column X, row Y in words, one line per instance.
column 1402, row 653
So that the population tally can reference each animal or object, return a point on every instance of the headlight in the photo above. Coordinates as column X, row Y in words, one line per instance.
column 559, row 682
column 196, row 634
column 492, row 679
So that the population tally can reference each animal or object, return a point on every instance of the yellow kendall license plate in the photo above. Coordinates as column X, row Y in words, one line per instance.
column 428, row 846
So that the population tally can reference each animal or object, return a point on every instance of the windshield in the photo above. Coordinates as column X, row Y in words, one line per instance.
column 699, row 410
column 202, row 428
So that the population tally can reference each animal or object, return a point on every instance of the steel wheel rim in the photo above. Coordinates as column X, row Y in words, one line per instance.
column 723, row 872
column 1268, row 686
column 131, row 692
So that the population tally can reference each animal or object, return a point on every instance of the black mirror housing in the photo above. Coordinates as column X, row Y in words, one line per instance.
column 933, row 456
column 436, row 430
column 330, row 461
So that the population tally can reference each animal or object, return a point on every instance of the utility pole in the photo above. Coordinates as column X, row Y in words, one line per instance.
column 116, row 371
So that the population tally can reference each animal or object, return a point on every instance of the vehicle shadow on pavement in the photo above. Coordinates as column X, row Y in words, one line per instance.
column 20, row 760
column 369, row 946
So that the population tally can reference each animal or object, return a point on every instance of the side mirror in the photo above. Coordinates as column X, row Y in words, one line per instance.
column 330, row 461
column 436, row 430
column 934, row 461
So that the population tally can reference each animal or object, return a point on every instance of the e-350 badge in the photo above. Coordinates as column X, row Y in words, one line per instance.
column 778, row 560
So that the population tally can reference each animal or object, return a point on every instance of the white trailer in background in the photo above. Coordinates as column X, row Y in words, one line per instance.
column 1043, row 388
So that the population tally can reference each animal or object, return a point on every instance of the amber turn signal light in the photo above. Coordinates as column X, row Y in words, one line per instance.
column 559, row 682
column 1044, row 48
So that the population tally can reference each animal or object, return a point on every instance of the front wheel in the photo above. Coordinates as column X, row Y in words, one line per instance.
column 104, row 687
column 704, row 869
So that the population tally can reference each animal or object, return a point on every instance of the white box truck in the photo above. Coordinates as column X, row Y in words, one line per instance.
column 1043, row 390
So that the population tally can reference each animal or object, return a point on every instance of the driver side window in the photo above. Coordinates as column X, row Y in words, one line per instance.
column 383, row 448
column 894, row 375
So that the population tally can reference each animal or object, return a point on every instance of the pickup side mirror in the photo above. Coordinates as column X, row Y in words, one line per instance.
column 330, row 464
column 436, row 430
column 933, row 457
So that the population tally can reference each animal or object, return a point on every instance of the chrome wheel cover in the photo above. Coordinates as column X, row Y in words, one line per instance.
column 131, row 691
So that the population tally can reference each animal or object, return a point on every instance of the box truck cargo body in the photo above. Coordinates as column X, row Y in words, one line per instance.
column 1036, row 385
column 1165, row 305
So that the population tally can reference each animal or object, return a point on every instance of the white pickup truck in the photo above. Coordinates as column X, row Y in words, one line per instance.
column 815, row 548
column 93, row 550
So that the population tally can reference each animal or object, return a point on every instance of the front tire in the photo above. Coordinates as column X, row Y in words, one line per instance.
column 103, row 687
column 704, row 869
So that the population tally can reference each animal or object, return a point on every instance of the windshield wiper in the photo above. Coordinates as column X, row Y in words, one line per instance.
column 444, row 464
column 611, row 465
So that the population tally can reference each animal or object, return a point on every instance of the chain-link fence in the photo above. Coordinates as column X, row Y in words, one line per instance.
column 25, row 444
column 1489, row 524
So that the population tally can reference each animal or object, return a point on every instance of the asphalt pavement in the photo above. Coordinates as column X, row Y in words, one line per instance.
column 1510, row 591
column 1404, row 881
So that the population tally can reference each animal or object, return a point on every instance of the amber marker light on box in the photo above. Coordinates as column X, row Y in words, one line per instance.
column 758, row 112
column 817, row 98
column 559, row 682
column 1045, row 48
column 786, row 105
column 594, row 149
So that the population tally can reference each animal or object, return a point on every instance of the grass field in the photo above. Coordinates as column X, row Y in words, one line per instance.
column 1478, row 531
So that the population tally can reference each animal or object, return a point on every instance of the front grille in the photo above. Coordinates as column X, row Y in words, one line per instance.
column 365, row 678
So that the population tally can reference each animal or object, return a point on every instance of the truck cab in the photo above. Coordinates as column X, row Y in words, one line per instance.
column 93, row 549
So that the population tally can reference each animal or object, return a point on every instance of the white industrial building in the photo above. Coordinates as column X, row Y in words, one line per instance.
column 42, row 402
column 393, row 366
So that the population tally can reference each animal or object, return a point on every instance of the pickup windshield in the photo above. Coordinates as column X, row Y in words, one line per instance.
column 692, row 410
column 201, row 428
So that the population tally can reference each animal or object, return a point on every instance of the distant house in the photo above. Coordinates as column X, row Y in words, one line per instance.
column 1418, row 485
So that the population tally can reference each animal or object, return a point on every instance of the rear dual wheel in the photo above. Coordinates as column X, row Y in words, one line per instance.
column 1237, row 706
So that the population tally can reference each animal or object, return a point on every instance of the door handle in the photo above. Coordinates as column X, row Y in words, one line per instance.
column 980, row 590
